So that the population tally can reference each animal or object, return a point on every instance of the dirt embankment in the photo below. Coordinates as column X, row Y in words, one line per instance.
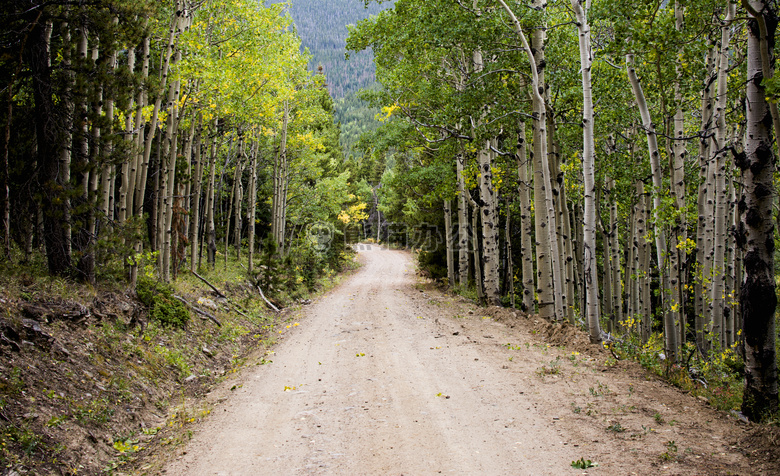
column 88, row 384
column 387, row 375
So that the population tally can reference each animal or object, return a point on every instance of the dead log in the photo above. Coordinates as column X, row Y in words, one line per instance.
column 199, row 311
column 270, row 304
column 219, row 293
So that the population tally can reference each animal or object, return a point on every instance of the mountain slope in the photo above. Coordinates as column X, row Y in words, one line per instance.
column 322, row 26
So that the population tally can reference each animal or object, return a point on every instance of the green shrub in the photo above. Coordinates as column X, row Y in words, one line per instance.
column 163, row 307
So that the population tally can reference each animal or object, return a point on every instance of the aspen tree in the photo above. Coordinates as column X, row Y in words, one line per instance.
column 252, row 207
column 678, row 232
column 448, row 238
column 758, row 298
column 704, row 203
column 718, row 296
column 526, row 220
column 463, row 225
column 588, row 170
column 549, row 285
column 670, row 326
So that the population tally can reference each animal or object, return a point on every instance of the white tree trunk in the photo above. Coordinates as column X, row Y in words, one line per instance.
column 670, row 326
column 718, row 295
column 448, row 238
column 590, row 270
column 463, row 226
column 526, row 219
column 550, row 289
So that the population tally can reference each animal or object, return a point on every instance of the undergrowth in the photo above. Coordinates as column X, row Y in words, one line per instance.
column 718, row 377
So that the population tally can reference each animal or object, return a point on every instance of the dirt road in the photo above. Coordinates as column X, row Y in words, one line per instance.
column 387, row 376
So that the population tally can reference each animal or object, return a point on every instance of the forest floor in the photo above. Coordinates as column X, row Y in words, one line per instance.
column 388, row 375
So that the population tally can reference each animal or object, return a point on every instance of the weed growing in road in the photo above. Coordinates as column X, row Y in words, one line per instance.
column 583, row 463
column 671, row 451
column 575, row 408
column 553, row 368
column 659, row 419
column 599, row 391
column 616, row 428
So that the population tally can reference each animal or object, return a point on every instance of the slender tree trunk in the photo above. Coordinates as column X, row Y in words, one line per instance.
column 165, row 222
column 614, row 258
column 463, row 226
column 526, row 220
column 677, row 191
column 589, row 173
column 670, row 326
column 704, row 205
column 549, row 284
column 510, row 265
column 210, row 203
column 475, row 251
column 448, row 238
column 718, row 298
column 49, row 142
column 758, row 298
column 252, row 208
column 644, row 307
column 239, row 197
column 195, row 198
column 489, row 216
column 280, row 180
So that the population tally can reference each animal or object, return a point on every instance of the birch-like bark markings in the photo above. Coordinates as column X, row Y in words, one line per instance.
column 670, row 331
column 551, row 305
column 718, row 296
column 589, row 174
column 758, row 298
column 526, row 220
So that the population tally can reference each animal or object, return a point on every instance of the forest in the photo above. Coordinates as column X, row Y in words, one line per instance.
column 322, row 26
column 609, row 166
column 606, row 164
column 147, row 133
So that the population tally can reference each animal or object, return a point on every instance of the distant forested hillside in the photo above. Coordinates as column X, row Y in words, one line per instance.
column 322, row 26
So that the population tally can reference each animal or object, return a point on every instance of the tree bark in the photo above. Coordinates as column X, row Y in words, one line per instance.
column 210, row 203
column 718, row 296
column 670, row 326
column 590, row 270
column 758, row 298
column 252, row 208
column 490, row 227
column 448, row 238
column 526, row 220
column 280, row 182
column 49, row 140
column 549, row 285
column 463, row 226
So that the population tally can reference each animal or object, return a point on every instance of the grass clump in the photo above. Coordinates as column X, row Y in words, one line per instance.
column 163, row 307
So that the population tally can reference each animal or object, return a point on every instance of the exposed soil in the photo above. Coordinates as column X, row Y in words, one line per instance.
column 87, row 384
column 388, row 375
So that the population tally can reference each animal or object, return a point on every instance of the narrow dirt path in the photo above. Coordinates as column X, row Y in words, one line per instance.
column 384, row 376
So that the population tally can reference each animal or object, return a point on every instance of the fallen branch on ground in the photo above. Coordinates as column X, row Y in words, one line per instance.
column 270, row 304
column 198, row 310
